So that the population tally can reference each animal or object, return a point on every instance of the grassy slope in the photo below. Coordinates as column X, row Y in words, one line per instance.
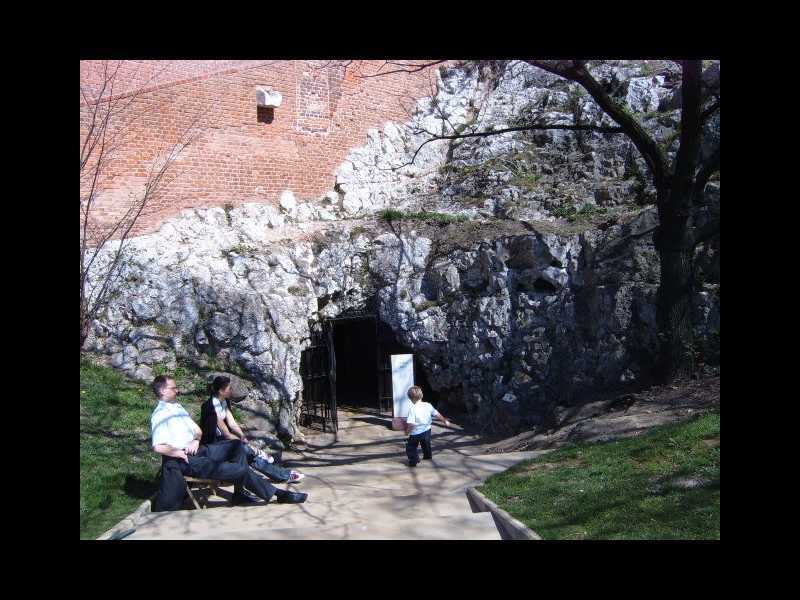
column 628, row 489
column 118, row 468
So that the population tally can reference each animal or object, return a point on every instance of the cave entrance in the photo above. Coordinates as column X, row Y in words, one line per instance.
column 349, row 363
column 363, row 347
column 355, row 346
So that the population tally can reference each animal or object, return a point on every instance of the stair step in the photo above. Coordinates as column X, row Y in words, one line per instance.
column 356, row 505
column 473, row 526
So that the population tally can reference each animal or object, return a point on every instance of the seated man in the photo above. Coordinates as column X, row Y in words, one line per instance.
column 218, row 424
column 177, row 438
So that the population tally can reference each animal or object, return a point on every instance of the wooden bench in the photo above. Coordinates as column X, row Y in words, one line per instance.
column 204, row 484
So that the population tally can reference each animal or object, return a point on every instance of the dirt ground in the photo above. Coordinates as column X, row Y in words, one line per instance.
column 625, row 415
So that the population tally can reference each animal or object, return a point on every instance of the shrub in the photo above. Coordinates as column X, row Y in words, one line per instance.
column 389, row 215
column 167, row 330
column 242, row 249
column 585, row 213
column 215, row 364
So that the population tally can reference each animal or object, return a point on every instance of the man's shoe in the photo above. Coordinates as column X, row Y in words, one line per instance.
column 412, row 464
column 296, row 477
column 427, row 458
column 292, row 498
column 244, row 497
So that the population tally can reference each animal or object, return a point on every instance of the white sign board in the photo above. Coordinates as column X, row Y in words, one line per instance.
column 402, row 379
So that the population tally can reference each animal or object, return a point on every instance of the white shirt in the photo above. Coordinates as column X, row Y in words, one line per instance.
column 421, row 416
column 171, row 424
column 222, row 413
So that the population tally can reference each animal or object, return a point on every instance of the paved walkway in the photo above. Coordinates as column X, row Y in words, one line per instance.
column 361, row 488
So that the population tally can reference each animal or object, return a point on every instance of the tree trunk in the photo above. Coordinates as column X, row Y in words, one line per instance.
column 674, row 312
column 85, row 324
column 675, row 241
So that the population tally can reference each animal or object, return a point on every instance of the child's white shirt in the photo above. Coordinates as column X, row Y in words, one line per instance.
column 420, row 415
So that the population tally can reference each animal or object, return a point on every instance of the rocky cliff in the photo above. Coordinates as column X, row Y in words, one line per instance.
column 525, row 276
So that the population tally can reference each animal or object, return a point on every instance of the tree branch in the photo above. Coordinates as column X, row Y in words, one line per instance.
column 709, row 111
column 575, row 70
column 419, row 68
column 458, row 136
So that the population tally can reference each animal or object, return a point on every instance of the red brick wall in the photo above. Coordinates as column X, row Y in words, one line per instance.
column 241, row 154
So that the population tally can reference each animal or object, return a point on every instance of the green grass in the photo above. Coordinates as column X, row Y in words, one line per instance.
column 243, row 249
column 525, row 180
column 118, row 467
column 625, row 489
column 573, row 214
column 389, row 215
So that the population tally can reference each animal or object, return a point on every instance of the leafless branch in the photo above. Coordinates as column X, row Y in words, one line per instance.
column 107, row 125
column 575, row 70
column 538, row 127
column 402, row 70
column 709, row 111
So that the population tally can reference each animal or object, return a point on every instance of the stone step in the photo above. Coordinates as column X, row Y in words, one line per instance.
column 473, row 526
column 350, row 506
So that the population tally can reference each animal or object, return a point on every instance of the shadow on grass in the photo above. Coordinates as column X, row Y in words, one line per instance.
column 635, row 511
column 138, row 487
column 679, row 516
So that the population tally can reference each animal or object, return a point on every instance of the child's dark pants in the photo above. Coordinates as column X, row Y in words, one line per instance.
column 423, row 439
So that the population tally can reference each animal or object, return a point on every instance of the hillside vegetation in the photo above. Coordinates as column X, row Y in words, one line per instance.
column 118, row 467
column 661, row 485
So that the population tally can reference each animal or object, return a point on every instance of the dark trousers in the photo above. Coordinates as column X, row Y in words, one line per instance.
column 272, row 470
column 221, row 460
column 423, row 439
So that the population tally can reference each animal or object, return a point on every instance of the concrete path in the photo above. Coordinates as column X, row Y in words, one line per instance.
column 361, row 488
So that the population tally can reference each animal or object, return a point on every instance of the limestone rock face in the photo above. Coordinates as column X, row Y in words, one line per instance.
column 504, row 324
column 240, row 388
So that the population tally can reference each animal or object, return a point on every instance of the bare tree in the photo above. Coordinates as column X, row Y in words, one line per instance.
column 679, row 183
column 107, row 119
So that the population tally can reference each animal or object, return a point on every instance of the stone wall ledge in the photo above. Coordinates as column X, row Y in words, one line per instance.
column 128, row 523
column 509, row 527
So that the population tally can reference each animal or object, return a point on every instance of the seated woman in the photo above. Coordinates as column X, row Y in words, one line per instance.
column 218, row 423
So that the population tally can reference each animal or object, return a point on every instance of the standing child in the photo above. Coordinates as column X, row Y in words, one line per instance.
column 418, row 426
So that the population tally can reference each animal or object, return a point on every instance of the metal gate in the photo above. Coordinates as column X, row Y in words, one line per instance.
column 384, row 342
column 318, row 371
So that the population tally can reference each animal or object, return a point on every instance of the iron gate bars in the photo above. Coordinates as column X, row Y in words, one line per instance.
column 318, row 371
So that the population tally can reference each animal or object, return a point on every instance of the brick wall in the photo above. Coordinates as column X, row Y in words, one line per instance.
column 239, row 153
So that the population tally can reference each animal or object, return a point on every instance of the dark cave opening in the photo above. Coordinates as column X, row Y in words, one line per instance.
column 355, row 347
column 363, row 349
